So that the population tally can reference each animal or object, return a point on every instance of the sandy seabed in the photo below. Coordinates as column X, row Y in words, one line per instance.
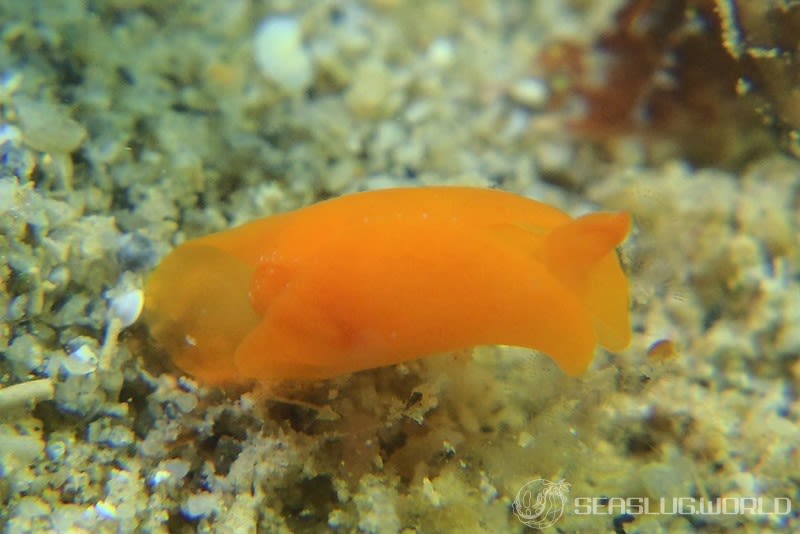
column 129, row 126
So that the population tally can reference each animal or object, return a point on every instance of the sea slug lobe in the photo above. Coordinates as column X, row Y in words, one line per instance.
column 381, row 277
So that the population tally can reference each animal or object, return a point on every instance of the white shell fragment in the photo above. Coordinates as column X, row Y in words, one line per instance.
column 127, row 307
column 81, row 361
column 280, row 54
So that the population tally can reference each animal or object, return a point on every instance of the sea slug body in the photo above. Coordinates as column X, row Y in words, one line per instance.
column 381, row 277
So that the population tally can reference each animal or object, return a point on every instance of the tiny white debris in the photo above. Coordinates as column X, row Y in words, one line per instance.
column 169, row 471
column 10, row 81
column 106, row 510
column 127, row 307
column 488, row 490
column 531, row 92
column 525, row 440
column 178, row 468
column 519, row 121
column 280, row 54
column 418, row 111
column 553, row 156
column 9, row 132
column 56, row 450
column 448, row 448
column 59, row 276
column 159, row 477
column 247, row 402
column 85, row 354
column 430, row 493
column 442, row 52
column 81, row 361
column 200, row 505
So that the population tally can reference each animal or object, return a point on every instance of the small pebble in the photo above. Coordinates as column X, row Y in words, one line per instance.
column 47, row 127
column 281, row 56
column 200, row 505
column 56, row 450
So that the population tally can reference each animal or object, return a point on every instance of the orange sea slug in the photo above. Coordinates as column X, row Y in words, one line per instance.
column 382, row 277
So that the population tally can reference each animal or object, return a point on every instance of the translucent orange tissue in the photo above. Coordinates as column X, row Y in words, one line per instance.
column 377, row 278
